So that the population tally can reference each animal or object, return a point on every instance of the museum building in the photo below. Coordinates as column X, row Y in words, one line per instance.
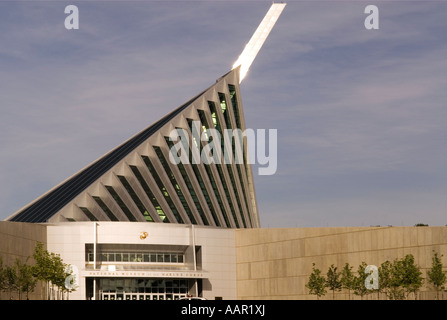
column 155, row 218
column 136, row 225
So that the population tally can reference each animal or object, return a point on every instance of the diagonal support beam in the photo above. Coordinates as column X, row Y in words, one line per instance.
column 257, row 40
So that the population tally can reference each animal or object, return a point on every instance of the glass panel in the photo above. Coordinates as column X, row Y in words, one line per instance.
column 104, row 208
column 88, row 214
column 162, row 188
column 238, row 166
column 236, row 194
column 223, row 106
column 227, row 193
column 233, row 97
column 121, row 203
column 174, row 183
column 207, row 168
column 135, row 198
column 149, row 194
column 188, row 183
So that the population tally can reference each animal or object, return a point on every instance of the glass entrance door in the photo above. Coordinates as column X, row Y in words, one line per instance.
column 143, row 289
column 109, row 296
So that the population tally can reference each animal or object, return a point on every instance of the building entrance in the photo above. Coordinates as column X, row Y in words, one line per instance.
column 143, row 289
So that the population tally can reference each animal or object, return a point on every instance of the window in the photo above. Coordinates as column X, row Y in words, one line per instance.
column 209, row 173
column 176, row 186
column 121, row 203
column 223, row 106
column 149, row 194
column 162, row 188
column 105, row 208
column 137, row 257
column 135, row 198
column 88, row 214
column 214, row 116
column 227, row 193
column 238, row 166
column 233, row 97
column 236, row 194
column 189, row 185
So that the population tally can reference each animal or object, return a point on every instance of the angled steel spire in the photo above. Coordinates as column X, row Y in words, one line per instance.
column 257, row 40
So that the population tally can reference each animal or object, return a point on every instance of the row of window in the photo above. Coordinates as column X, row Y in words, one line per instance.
column 144, row 285
column 153, row 257
column 145, row 212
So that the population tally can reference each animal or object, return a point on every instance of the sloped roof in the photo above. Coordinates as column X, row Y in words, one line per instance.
column 50, row 203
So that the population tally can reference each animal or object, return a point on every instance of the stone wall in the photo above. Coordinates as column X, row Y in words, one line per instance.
column 18, row 240
column 276, row 263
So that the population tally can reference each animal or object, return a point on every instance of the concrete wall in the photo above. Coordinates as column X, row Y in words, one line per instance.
column 276, row 263
column 18, row 240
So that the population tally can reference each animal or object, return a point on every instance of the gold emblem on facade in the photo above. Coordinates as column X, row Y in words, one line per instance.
column 143, row 235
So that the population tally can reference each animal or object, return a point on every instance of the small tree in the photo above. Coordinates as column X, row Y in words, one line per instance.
column 348, row 279
column 385, row 278
column 58, row 274
column 333, row 281
column 436, row 276
column 408, row 275
column 42, row 268
column 26, row 282
column 11, row 279
column 49, row 269
column 359, row 282
column 3, row 282
column 316, row 283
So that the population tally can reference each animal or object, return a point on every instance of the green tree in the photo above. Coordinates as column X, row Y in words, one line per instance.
column 359, row 282
column 26, row 282
column 316, row 283
column 408, row 275
column 333, row 281
column 58, row 274
column 385, row 278
column 436, row 276
column 11, row 279
column 348, row 279
column 42, row 268
column 3, row 282
column 50, row 269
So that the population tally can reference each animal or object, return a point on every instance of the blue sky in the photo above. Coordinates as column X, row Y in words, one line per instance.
column 361, row 114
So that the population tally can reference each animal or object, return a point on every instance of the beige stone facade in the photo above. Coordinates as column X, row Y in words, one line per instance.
column 276, row 263
column 267, row 263
column 18, row 240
